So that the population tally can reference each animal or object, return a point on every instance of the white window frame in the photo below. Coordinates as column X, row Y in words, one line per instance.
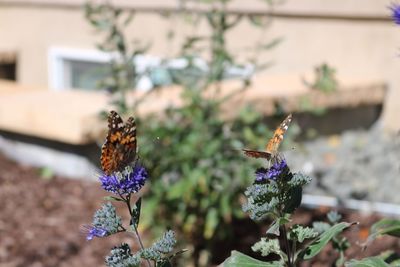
column 56, row 63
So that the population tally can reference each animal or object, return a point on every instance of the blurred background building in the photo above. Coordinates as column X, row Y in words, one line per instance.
column 49, row 44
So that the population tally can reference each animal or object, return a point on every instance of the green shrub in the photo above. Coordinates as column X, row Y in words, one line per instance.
column 197, row 170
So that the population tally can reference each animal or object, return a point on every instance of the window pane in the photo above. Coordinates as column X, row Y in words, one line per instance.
column 85, row 75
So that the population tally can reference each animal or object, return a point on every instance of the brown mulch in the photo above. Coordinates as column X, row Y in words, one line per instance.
column 40, row 222
column 356, row 234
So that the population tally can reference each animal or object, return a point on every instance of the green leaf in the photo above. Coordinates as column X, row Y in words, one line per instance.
column 395, row 263
column 136, row 213
column 274, row 228
column 267, row 246
column 387, row 226
column 321, row 227
column 257, row 21
column 151, row 206
column 128, row 19
column 294, row 199
column 238, row 259
column 164, row 263
column 390, row 257
column 46, row 173
column 211, row 223
column 299, row 179
column 299, row 233
column 367, row 262
column 384, row 227
column 276, row 224
column 225, row 207
column 191, row 41
column 315, row 247
column 112, row 198
column 176, row 254
column 272, row 44
column 177, row 190
column 341, row 260
column 334, row 216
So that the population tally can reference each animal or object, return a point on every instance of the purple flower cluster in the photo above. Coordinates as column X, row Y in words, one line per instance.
column 261, row 174
column 272, row 173
column 127, row 182
column 93, row 231
column 395, row 13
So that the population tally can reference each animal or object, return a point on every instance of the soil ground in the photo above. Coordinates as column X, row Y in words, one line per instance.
column 41, row 218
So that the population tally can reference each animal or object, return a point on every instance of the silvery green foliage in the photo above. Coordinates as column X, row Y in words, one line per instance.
column 320, row 227
column 299, row 179
column 267, row 246
column 261, row 200
column 299, row 233
column 107, row 219
column 333, row 216
column 276, row 224
column 121, row 256
column 275, row 197
column 150, row 254
column 339, row 242
column 160, row 248
column 166, row 244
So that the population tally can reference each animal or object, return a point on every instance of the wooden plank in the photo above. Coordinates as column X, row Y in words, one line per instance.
column 71, row 116
column 68, row 116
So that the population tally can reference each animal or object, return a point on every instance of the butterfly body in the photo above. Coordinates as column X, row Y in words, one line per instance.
column 119, row 149
column 271, row 149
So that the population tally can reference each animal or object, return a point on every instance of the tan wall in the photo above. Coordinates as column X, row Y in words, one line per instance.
column 361, row 48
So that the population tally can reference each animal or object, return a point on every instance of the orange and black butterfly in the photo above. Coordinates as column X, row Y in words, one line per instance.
column 271, row 149
column 119, row 149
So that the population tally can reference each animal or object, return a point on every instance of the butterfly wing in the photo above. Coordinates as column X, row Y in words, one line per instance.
column 257, row 154
column 274, row 143
column 128, row 145
column 109, row 152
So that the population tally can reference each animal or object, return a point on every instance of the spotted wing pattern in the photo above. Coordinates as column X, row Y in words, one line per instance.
column 272, row 146
column 119, row 149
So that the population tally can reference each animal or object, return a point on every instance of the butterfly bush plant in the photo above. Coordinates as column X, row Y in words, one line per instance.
column 124, row 184
column 190, row 149
column 201, row 175
column 386, row 226
column 275, row 194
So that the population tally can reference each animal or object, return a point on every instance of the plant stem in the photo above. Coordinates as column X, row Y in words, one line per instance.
column 288, row 251
column 128, row 203
column 140, row 242
column 294, row 253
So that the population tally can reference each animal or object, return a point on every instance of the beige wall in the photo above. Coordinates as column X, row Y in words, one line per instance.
column 360, row 48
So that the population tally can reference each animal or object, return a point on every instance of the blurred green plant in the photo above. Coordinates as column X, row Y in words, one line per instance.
column 46, row 173
column 197, row 170
column 276, row 193
column 306, row 105
column 222, row 63
column 325, row 79
column 386, row 226
column 193, row 155
column 339, row 242
column 111, row 22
